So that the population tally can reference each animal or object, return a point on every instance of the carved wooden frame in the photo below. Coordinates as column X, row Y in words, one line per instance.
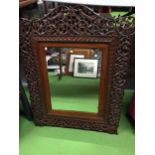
column 60, row 25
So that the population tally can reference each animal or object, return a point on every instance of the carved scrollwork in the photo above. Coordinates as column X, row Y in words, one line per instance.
column 78, row 20
column 79, row 24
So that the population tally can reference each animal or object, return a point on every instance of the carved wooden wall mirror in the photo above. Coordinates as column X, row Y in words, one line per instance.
column 75, row 62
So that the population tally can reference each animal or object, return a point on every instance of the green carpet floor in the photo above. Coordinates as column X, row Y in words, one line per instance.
column 36, row 140
column 70, row 93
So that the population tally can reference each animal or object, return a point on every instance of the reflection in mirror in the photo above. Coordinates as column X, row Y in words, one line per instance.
column 74, row 78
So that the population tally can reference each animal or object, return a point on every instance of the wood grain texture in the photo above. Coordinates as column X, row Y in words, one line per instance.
column 78, row 24
column 23, row 3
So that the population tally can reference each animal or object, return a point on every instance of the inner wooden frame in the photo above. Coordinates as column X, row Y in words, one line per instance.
column 44, row 83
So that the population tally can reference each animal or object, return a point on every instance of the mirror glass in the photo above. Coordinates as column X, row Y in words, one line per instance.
column 74, row 77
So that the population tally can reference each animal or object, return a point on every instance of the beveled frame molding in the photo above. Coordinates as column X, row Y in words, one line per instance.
column 79, row 24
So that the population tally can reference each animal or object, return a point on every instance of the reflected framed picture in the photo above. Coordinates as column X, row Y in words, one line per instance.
column 75, row 53
column 71, row 62
column 87, row 68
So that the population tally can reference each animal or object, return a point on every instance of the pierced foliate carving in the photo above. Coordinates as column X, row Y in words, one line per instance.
column 78, row 20
column 79, row 24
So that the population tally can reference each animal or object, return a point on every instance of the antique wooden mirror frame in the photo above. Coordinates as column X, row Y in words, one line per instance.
column 78, row 26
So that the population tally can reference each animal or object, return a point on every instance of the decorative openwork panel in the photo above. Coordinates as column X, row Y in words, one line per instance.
column 79, row 24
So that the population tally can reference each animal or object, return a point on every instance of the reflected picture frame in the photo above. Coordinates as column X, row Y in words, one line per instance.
column 75, row 52
column 86, row 68
column 72, row 59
